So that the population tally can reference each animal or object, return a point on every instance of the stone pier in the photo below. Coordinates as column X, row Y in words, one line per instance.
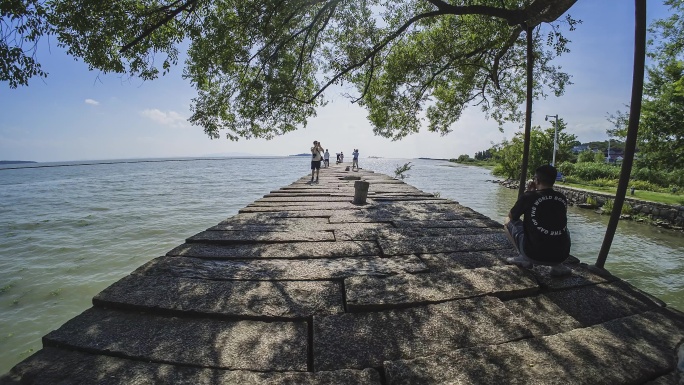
column 304, row 286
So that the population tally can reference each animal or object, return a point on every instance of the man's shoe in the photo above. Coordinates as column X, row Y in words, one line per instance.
column 560, row 271
column 519, row 261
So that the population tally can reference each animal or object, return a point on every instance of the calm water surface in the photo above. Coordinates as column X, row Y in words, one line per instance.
column 68, row 232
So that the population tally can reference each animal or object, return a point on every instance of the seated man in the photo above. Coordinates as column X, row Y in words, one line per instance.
column 542, row 237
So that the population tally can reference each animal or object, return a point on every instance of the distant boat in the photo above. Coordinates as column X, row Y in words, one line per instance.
column 375, row 157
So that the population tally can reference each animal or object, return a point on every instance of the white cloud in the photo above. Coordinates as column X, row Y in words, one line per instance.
column 170, row 118
column 92, row 102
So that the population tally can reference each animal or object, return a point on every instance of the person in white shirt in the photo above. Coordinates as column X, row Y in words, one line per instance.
column 316, row 158
column 326, row 158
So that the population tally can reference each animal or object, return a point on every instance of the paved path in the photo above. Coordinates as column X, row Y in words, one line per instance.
column 304, row 287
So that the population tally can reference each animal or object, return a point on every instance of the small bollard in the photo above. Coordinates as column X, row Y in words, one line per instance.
column 632, row 190
column 360, row 192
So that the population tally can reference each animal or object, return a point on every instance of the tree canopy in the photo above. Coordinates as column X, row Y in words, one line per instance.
column 661, row 131
column 508, row 154
column 261, row 68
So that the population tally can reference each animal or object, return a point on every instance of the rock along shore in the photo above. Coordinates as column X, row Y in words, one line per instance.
column 305, row 287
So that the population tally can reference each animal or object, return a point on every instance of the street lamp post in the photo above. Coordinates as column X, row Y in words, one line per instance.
column 555, row 136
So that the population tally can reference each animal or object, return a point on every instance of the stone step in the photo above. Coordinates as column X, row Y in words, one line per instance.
column 422, row 245
column 362, row 340
column 365, row 234
column 58, row 366
column 485, row 222
column 630, row 350
column 279, row 250
column 281, row 269
column 466, row 259
column 372, row 293
column 261, row 237
column 207, row 342
column 237, row 299
column 587, row 304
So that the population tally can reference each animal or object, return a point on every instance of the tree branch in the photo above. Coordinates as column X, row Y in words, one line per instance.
column 188, row 5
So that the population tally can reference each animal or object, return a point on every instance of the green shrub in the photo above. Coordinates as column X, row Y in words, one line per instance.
column 592, row 201
column 591, row 171
column 603, row 182
column 643, row 185
column 626, row 209
column 566, row 168
column 573, row 179
column 608, row 206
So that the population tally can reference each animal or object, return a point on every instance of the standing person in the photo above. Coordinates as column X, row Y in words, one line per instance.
column 355, row 159
column 338, row 158
column 341, row 157
column 326, row 158
column 542, row 237
column 316, row 158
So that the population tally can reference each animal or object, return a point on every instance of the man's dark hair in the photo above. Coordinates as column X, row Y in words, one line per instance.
column 546, row 174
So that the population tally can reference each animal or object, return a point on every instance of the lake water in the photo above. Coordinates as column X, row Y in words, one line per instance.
column 69, row 230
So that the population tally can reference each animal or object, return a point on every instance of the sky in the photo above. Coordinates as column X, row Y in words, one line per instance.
column 77, row 114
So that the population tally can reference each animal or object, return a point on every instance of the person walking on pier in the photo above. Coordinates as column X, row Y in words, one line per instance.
column 542, row 237
column 326, row 159
column 316, row 158
column 355, row 159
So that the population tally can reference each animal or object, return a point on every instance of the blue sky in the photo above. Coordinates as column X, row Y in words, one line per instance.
column 77, row 114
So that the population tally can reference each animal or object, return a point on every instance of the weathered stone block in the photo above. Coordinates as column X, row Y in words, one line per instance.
column 414, row 289
column 362, row 340
column 251, row 299
column 57, row 366
column 280, row 269
column 208, row 342
column 280, row 250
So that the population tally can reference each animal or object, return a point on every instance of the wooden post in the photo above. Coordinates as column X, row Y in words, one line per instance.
column 360, row 192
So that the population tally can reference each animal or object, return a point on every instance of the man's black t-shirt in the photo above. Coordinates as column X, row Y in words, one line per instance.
column 545, row 222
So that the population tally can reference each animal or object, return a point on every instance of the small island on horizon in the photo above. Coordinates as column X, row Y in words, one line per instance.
column 16, row 161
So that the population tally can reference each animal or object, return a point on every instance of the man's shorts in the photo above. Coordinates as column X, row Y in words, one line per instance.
column 315, row 164
column 517, row 231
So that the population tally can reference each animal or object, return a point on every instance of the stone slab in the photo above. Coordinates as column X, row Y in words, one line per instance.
column 466, row 260
column 280, row 269
column 581, row 276
column 362, row 340
column 595, row 304
column 423, row 245
column 277, row 250
column 554, row 320
column 277, row 224
column 484, row 222
column 238, row 236
column 290, row 193
column 361, row 233
column 629, row 350
column 370, row 293
column 58, row 366
column 321, row 206
column 306, row 205
column 388, row 216
column 244, row 299
column 301, row 199
column 308, row 213
column 208, row 342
